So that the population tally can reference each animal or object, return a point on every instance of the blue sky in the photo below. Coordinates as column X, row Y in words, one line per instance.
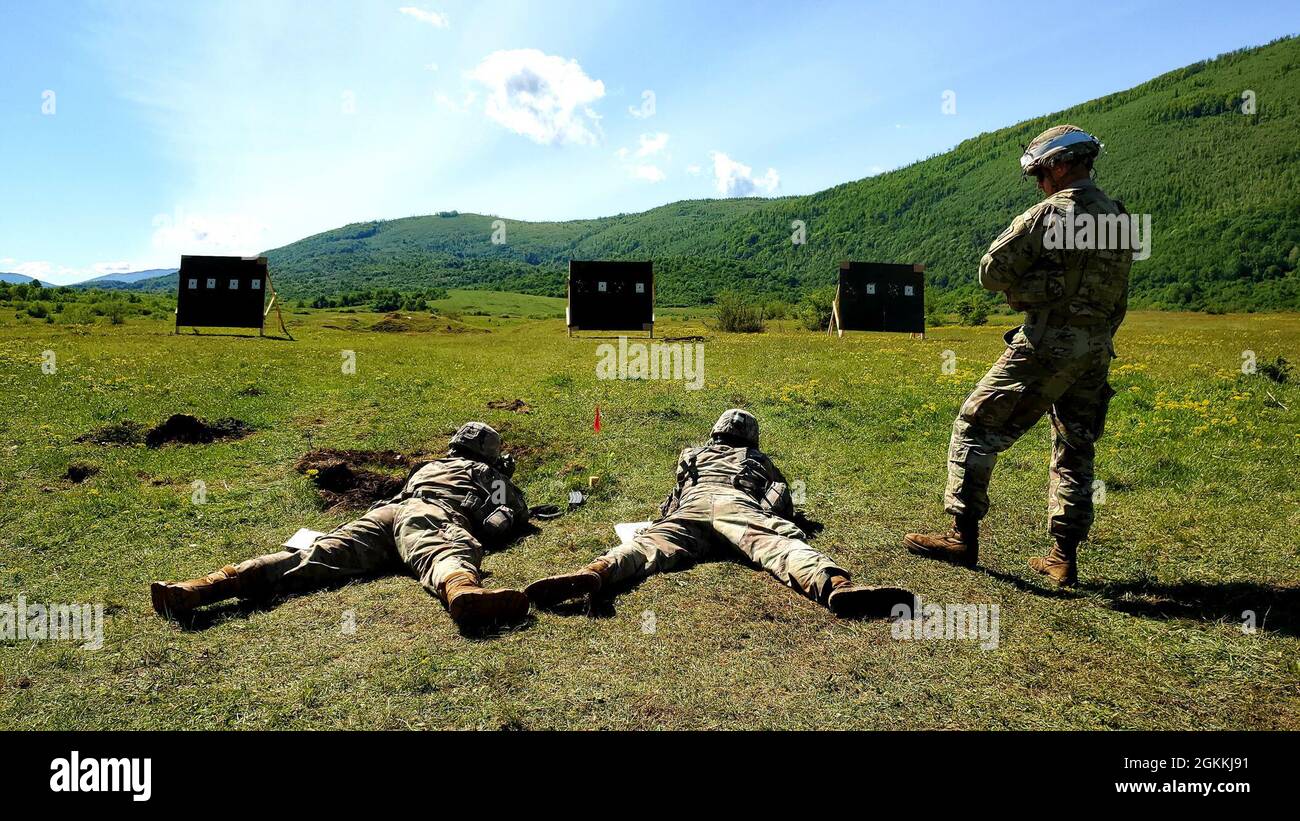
column 134, row 131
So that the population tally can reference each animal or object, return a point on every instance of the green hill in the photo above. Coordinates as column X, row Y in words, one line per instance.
column 1222, row 186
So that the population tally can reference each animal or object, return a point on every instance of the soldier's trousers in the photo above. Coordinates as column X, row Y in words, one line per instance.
column 423, row 536
column 1063, row 376
column 710, row 519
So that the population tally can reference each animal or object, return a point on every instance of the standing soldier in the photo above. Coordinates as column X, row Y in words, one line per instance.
column 729, row 495
column 437, row 526
column 1074, row 291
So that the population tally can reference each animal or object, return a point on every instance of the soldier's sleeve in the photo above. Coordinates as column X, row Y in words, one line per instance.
column 506, row 509
column 669, row 505
column 1017, row 250
column 777, row 499
column 517, row 502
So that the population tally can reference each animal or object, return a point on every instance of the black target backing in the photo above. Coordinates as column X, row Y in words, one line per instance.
column 881, row 296
column 222, row 292
column 606, row 295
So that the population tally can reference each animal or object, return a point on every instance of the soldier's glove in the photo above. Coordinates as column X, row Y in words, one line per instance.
column 499, row 523
column 808, row 526
column 772, row 497
column 506, row 464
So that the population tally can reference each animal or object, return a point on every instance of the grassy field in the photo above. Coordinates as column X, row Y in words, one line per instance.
column 1199, row 524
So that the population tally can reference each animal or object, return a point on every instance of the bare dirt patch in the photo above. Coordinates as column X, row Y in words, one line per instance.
column 180, row 428
column 512, row 405
column 357, row 478
column 183, row 429
column 79, row 472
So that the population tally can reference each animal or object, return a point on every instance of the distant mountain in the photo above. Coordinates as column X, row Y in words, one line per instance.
column 134, row 276
column 14, row 278
column 1222, row 186
column 156, row 279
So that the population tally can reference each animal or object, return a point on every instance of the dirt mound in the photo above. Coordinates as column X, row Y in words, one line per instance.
column 515, row 405
column 397, row 323
column 344, row 477
column 181, row 428
column 78, row 472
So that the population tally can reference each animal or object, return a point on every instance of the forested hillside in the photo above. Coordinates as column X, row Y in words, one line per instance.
column 1222, row 186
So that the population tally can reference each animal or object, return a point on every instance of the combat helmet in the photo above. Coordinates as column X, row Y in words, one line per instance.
column 1061, row 143
column 739, row 425
column 477, row 439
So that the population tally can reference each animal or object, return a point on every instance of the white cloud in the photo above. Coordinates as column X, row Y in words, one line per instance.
column 47, row 273
column 433, row 18
column 540, row 96
column 35, row 270
column 230, row 234
column 735, row 179
column 651, row 144
column 694, row 169
column 649, row 173
column 431, row 66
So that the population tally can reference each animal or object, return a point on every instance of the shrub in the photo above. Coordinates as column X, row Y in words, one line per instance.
column 736, row 314
column 776, row 309
column 973, row 311
column 77, row 313
column 814, row 311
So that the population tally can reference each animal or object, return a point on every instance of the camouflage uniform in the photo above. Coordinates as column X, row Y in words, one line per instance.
column 436, row 528
column 1056, row 363
column 728, row 496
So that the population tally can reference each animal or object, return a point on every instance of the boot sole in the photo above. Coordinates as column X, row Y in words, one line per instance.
column 483, row 607
column 556, row 589
column 161, row 605
column 928, row 553
column 871, row 602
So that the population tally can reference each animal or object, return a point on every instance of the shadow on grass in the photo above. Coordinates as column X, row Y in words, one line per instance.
column 1272, row 609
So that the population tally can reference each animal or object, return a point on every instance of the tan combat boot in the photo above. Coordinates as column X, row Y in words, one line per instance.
column 854, row 601
column 961, row 545
column 472, row 606
column 552, row 590
column 1059, row 564
column 177, row 600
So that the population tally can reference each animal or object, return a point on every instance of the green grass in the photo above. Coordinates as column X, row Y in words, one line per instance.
column 501, row 303
column 1199, row 524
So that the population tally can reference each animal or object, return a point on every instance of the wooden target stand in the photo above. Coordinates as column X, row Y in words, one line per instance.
column 275, row 303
